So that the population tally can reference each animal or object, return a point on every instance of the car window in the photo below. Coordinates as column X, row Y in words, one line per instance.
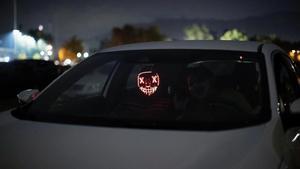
column 286, row 80
column 211, row 90
column 90, row 84
column 287, row 88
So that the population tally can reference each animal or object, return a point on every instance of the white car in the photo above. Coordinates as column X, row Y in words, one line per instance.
column 161, row 105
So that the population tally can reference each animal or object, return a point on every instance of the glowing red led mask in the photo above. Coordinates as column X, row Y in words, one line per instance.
column 148, row 82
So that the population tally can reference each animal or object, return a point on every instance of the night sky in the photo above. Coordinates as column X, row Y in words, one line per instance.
column 92, row 20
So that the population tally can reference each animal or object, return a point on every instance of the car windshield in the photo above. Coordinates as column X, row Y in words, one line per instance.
column 177, row 89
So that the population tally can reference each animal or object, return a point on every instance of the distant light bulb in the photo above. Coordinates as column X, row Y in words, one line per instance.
column 41, row 27
column 79, row 55
column 46, row 58
column 67, row 62
column 49, row 53
column 56, row 62
column 85, row 54
column 49, row 47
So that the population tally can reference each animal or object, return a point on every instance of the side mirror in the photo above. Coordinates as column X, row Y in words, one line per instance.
column 26, row 96
column 295, row 107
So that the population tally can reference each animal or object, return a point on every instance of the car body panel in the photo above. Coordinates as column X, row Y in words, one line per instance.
column 49, row 145
column 203, row 45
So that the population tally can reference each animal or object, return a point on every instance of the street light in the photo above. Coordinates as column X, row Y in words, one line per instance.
column 16, row 35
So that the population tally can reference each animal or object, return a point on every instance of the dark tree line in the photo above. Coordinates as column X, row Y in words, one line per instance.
column 131, row 34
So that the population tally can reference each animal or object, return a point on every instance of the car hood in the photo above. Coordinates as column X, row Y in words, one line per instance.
column 28, row 145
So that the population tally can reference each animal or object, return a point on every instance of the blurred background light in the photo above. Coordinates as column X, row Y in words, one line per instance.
column 5, row 59
column 16, row 33
column 46, row 58
column 49, row 47
column 49, row 53
column 78, row 55
column 42, row 53
column 56, row 62
column 67, row 62
column 85, row 54
column 41, row 27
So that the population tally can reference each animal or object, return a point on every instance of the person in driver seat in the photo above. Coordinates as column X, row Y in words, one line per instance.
column 192, row 102
column 207, row 99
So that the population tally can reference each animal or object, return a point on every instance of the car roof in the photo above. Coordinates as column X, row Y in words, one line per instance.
column 246, row 46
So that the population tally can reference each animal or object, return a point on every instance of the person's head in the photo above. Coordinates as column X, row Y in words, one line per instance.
column 199, row 81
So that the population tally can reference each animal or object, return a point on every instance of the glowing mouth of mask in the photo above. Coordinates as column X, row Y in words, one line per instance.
column 148, row 82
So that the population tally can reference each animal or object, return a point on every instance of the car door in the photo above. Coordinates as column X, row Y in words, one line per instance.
column 288, row 91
